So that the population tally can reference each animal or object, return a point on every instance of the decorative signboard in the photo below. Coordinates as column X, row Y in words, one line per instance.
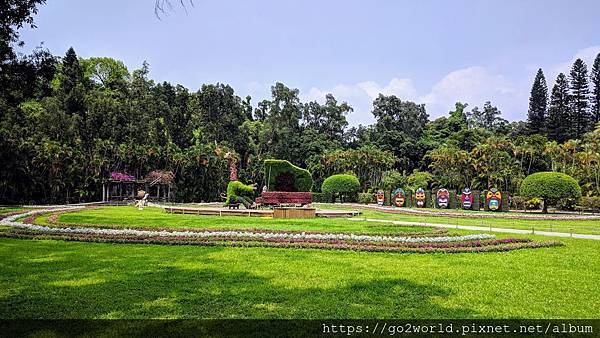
column 443, row 198
column 399, row 198
column 380, row 197
column 493, row 200
column 420, row 198
column 466, row 199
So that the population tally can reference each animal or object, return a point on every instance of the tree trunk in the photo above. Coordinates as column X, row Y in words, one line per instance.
column 545, row 210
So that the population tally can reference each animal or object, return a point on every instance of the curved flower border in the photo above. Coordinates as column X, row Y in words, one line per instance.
column 262, row 238
column 52, row 222
column 458, row 213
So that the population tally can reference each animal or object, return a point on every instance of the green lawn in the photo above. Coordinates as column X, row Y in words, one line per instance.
column 56, row 279
column 130, row 217
column 575, row 226
column 154, row 217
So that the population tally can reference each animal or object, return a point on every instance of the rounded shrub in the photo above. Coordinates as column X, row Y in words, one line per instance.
column 551, row 187
column 343, row 185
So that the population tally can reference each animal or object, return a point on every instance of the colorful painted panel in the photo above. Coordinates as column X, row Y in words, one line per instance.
column 380, row 197
column 399, row 198
column 493, row 199
column 443, row 198
column 420, row 198
column 466, row 199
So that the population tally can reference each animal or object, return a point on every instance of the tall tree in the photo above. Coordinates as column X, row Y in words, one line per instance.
column 219, row 113
column 328, row 119
column 559, row 125
column 580, row 114
column 488, row 119
column 595, row 77
column 398, row 127
column 281, row 136
column 71, row 83
column 538, row 102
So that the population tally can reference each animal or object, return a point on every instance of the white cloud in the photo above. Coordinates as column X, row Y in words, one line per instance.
column 402, row 88
column 588, row 55
column 361, row 95
column 473, row 85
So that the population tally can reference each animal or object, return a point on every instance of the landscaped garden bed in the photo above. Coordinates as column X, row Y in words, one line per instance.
column 421, row 242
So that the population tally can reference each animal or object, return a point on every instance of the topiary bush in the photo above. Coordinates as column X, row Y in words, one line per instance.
column 281, row 175
column 238, row 192
column 551, row 187
column 343, row 185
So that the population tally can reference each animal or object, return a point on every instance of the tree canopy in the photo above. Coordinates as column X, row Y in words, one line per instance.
column 67, row 122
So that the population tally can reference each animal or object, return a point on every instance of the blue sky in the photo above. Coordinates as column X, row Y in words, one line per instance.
column 432, row 52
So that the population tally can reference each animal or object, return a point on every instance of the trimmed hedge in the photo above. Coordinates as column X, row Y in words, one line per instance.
column 551, row 187
column 343, row 185
column 281, row 175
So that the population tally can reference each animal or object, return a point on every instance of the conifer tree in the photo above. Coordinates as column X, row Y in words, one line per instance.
column 559, row 125
column 71, row 83
column 579, row 99
column 595, row 77
column 538, row 103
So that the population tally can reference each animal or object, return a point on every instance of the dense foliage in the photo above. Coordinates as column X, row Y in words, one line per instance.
column 550, row 187
column 343, row 185
column 67, row 123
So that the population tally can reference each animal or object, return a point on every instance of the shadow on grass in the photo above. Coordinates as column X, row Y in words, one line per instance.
column 139, row 282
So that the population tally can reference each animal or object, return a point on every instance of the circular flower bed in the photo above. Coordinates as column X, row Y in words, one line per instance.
column 263, row 238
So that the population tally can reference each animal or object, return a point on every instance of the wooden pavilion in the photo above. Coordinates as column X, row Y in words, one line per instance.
column 123, row 188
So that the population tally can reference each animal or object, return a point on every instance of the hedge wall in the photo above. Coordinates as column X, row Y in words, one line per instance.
column 281, row 175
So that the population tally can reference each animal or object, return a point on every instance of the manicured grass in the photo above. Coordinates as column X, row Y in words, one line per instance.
column 55, row 279
column 575, row 226
column 130, row 217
